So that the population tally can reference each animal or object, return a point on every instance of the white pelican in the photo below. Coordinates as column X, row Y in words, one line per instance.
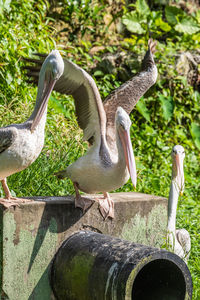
column 178, row 239
column 20, row 144
column 108, row 163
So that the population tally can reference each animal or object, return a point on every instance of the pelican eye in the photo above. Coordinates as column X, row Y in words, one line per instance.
column 122, row 126
column 54, row 73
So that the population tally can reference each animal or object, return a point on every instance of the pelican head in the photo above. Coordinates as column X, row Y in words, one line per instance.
column 53, row 65
column 51, row 70
column 123, row 124
column 178, row 155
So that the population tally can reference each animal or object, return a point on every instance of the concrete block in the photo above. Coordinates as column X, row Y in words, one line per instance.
column 31, row 234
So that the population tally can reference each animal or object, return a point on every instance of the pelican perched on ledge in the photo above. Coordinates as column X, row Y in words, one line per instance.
column 20, row 144
column 178, row 239
column 109, row 161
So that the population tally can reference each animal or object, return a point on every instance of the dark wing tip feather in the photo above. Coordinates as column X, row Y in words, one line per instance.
column 32, row 81
column 148, row 60
column 33, row 70
column 33, row 74
column 40, row 54
column 33, row 60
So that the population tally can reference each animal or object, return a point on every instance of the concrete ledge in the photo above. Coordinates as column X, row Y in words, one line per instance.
column 32, row 233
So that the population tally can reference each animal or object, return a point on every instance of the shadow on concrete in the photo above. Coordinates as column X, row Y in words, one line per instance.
column 64, row 215
column 42, row 290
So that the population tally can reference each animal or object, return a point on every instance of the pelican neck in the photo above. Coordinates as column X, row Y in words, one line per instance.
column 172, row 206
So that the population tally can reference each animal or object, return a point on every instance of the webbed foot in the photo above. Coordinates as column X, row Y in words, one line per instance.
column 82, row 202
column 106, row 206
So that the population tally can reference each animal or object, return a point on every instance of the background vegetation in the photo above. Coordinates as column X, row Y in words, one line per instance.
column 169, row 114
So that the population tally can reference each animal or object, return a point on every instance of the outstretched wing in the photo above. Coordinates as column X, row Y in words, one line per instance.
column 92, row 115
column 78, row 83
column 7, row 137
column 128, row 94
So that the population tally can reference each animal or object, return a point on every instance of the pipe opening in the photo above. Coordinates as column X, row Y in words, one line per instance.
column 159, row 280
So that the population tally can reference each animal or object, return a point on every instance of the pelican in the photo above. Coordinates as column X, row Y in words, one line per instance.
column 178, row 239
column 110, row 160
column 20, row 144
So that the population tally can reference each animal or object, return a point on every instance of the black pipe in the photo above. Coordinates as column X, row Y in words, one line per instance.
column 93, row 266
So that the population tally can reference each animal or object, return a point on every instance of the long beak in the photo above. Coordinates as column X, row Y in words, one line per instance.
column 46, row 94
column 180, row 173
column 129, row 156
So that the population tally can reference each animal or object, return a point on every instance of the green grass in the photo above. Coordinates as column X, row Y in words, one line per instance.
column 171, row 106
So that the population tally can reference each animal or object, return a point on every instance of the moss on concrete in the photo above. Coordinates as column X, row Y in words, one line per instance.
column 148, row 230
column 31, row 234
column 20, row 282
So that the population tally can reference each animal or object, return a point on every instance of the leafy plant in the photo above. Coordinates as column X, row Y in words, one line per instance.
column 141, row 107
column 195, row 131
column 81, row 17
column 182, row 22
column 167, row 105
column 142, row 20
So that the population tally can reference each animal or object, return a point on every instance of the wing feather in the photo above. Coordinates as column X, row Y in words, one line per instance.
column 92, row 115
column 88, row 104
column 7, row 137
column 128, row 94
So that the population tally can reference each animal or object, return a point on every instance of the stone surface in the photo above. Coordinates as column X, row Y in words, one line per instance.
column 32, row 233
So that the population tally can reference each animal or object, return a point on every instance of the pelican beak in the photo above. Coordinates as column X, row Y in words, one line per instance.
column 129, row 156
column 45, row 97
column 180, row 172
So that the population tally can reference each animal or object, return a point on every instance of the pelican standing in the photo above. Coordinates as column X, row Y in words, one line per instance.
column 20, row 144
column 109, row 161
column 178, row 239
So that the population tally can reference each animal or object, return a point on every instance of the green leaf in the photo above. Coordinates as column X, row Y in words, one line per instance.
column 198, row 16
column 1, row 6
column 187, row 25
column 180, row 133
column 171, row 14
column 9, row 78
column 167, row 106
column 142, row 7
column 195, row 132
column 163, row 25
column 131, row 21
column 149, row 130
column 7, row 5
column 143, row 110
column 98, row 73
